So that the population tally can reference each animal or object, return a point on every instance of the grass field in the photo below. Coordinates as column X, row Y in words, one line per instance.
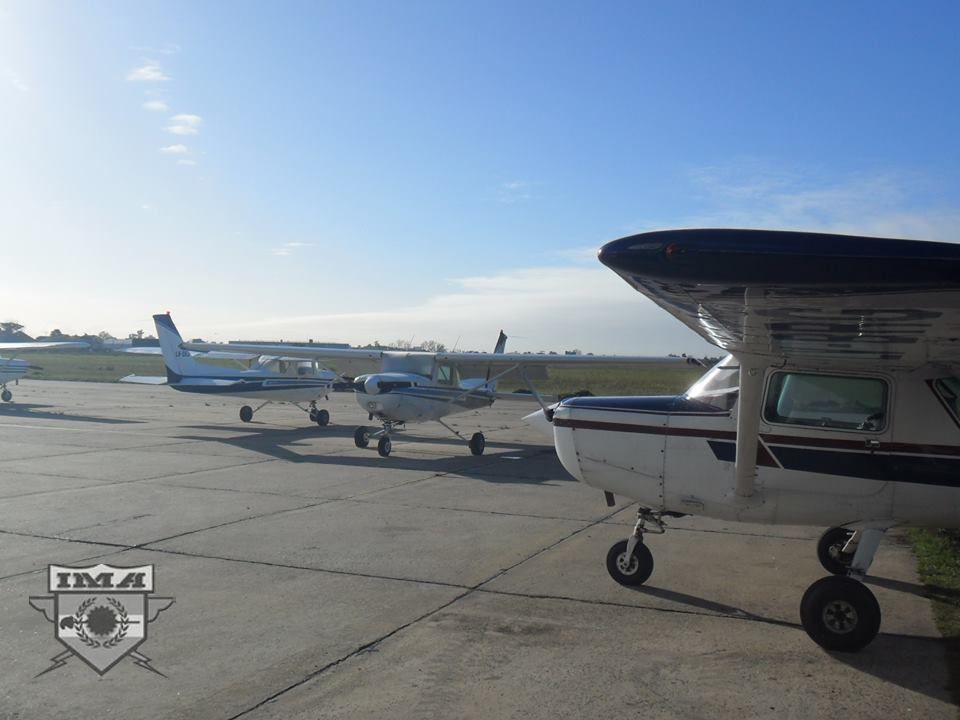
column 93, row 367
column 110, row 367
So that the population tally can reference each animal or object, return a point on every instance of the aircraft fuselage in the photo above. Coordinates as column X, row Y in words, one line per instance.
column 834, row 448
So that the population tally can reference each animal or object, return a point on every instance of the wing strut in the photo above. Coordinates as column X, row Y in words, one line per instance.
column 752, row 370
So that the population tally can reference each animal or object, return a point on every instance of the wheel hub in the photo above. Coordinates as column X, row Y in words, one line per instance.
column 840, row 617
column 627, row 565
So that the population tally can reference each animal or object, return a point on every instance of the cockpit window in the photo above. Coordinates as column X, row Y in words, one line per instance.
column 828, row 401
column 720, row 386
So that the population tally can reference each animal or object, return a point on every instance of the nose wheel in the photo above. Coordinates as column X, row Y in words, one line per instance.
column 321, row 416
column 6, row 395
column 630, row 567
column 629, row 561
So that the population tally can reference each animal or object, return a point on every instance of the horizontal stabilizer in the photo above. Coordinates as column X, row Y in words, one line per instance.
column 144, row 379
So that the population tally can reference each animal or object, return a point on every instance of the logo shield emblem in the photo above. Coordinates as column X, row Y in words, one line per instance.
column 101, row 613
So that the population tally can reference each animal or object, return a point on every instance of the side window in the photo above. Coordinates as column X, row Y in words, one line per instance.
column 948, row 389
column 444, row 375
column 828, row 401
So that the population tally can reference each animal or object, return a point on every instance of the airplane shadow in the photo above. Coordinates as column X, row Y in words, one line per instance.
column 281, row 444
column 31, row 410
column 933, row 592
column 903, row 660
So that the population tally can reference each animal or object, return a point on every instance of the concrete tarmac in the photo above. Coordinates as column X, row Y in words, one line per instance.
column 316, row 580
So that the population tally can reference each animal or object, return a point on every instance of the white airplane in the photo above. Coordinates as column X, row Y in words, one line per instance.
column 270, row 379
column 838, row 405
column 12, row 369
column 407, row 387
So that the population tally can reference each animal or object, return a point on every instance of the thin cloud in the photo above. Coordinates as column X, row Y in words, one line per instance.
column 150, row 71
column 514, row 191
column 185, row 124
column 186, row 161
column 14, row 77
column 155, row 106
column 538, row 307
column 175, row 150
column 751, row 193
column 287, row 249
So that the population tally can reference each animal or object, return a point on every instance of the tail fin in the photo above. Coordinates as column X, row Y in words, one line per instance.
column 498, row 349
column 178, row 361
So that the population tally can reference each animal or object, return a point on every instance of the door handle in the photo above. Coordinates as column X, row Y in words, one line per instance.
column 872, row 444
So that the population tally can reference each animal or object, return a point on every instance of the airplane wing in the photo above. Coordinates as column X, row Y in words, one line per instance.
column 213, row 355
column 23, row 346
column 498, row 361
column 346, row 361
column 834, row 299
column 369, row 360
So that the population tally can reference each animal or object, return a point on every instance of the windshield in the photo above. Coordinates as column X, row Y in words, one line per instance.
column 719, row 387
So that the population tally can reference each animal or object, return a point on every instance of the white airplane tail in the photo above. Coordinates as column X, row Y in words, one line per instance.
column 498, row 349
column 178, row 361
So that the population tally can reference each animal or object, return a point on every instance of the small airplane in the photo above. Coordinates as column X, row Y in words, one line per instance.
column 406, row 387
column 271, row 379
column 12, row 369
column 838, row 404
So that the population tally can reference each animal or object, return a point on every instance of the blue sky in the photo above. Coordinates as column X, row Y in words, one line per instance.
column 361, row 171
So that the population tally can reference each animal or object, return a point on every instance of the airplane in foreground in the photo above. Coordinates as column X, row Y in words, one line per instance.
column 407, row 387
column 271, row 379
column 12, row 369
column 838, row 404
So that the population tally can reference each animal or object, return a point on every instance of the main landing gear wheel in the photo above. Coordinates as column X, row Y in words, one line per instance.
column 6, row 395
column 312, row 414
column 322, row 417
column 246, row 413
column 840, row 614
column 361, row 437
column 632, row 570
column 477, row 443
column 830, row 550
column 384, row 446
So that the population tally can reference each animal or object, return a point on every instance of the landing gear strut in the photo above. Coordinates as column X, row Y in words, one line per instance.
column 320, row 416
column 629, row 561
column 477, row 442
column 246, row 412
column 363, row 435
column 839, row 612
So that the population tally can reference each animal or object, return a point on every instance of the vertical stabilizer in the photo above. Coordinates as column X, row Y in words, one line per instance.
column 178, row 361
column 498, row 349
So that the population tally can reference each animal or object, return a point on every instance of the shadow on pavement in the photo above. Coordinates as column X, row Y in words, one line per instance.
column 29, row 410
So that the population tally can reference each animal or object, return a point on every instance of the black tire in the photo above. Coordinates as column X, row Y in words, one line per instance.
column 361, row 437
column 840, row 614
column 637, row 572
column 313, row 414
column 6, row 395
column 477, row 443
column 829, row 548
column 384, row 446
column 322, row 418
column 246, row 413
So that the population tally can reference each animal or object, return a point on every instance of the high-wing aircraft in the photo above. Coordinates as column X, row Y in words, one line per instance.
column 838, row 404
column 270, row 379
column 406, row 387
column 12, row 369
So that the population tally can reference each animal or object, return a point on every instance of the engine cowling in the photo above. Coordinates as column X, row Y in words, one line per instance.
column 379, row 383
